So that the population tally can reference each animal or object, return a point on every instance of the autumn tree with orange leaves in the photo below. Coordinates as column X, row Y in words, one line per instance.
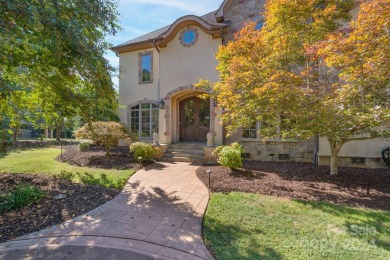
column 306, row 73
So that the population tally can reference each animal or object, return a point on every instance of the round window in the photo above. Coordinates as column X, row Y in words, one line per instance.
column 188, row 36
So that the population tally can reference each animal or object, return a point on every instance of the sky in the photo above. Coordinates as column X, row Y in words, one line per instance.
column 138, row 17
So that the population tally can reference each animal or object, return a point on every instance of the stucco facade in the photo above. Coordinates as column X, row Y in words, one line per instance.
column 178, row 63
column 176, row 68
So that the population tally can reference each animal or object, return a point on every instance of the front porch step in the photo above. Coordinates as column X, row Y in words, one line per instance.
column 192, row 151
column 187, row 147
column 189, row 143
column 185, row 155
column 185, row 152
column 182, row 159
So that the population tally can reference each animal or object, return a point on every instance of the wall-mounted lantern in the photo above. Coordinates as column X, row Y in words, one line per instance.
column 162, row 104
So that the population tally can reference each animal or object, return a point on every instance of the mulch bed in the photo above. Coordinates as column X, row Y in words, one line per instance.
column 355, row 187
column 119, row 158
column 48, row 211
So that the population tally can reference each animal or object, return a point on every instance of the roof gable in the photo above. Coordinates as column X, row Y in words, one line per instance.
column 207, row 22
column 219, row 14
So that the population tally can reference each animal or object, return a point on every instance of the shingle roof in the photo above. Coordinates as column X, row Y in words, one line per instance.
column 209, row 18
column 145, row 37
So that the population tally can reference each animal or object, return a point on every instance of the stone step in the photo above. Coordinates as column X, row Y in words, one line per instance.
column 200, row 148
column 187, row 155
column 185, row 152
column 170, row 150
column 188, row 144
column 182, row 159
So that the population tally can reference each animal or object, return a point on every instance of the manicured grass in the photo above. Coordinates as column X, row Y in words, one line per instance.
column 42, row 161
column 251, row 226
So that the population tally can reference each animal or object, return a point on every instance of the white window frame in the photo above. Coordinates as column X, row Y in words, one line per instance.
column 258, row 127
column 140, row 72
column 151, row 124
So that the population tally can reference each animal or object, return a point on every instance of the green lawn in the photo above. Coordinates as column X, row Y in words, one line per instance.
column 42, row 161
column 249, row 226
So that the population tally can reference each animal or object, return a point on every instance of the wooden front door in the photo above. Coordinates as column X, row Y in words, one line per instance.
column 194, row 120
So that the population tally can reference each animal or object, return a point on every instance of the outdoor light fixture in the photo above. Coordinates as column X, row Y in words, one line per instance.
column 209, row 173
column 162, row 104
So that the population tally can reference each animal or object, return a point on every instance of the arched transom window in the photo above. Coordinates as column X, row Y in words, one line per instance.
column 143, row 120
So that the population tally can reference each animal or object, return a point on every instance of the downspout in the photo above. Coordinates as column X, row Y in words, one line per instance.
column 223, row 127
column 158, row 79
column 161, row 102
column 221, row 32
column 317, row 137
column 316, row 150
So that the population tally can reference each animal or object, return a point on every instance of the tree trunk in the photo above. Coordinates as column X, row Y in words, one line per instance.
column 16, row 133
column 335, row 147
column 58, row 134
column 46, row 132
column 334, row 163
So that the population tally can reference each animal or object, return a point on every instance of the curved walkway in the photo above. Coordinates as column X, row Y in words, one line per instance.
column 158, row 215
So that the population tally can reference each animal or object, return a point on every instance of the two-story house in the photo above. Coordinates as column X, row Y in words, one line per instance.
column 158, row 73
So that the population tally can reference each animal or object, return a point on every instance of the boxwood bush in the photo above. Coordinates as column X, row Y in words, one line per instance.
column 142, row 151
column 84, row 147
column 230, row 155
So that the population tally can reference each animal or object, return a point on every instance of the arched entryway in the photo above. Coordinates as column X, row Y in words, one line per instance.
column 173, row 123
column 194, row 119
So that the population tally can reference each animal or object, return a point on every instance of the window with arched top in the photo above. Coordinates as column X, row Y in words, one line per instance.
column 143, row 120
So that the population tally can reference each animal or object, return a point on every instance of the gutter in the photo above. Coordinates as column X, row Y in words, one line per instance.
column 118, row 47
column 158, row 79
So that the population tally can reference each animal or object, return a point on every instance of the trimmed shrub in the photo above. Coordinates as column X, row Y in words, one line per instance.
column 142, row 151
column 230, row 156
column 20, row 197
column 103, row 180
column 64, row 175
column 84, row 147
column 104, row 134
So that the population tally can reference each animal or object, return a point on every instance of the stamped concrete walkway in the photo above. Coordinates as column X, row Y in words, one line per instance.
column 158, row 215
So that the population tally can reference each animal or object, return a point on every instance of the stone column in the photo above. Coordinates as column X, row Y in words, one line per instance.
column 167, row 117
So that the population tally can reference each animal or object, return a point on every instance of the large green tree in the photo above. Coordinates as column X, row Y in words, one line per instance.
column 297, row 79
column 55, row 46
